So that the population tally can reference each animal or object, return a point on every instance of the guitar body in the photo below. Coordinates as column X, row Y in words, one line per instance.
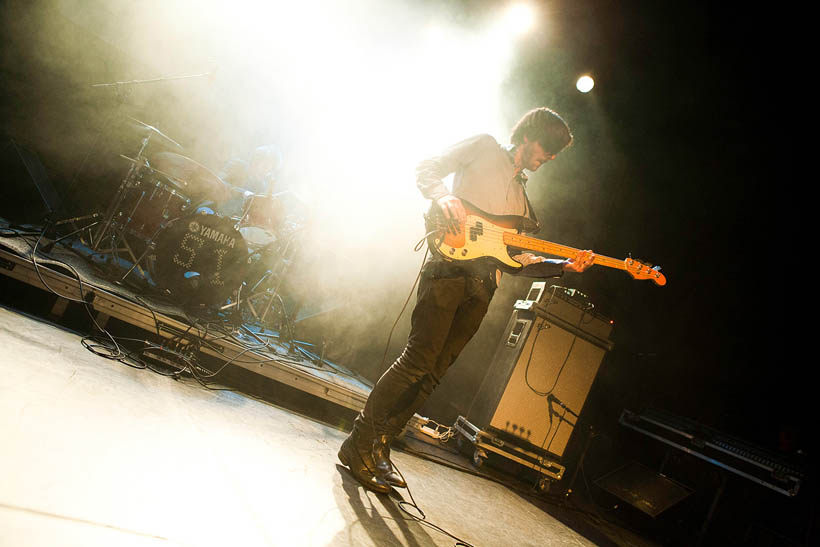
column 480, row 236
column 483, row 235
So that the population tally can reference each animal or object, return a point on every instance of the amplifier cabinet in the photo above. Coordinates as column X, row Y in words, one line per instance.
column 542, row 371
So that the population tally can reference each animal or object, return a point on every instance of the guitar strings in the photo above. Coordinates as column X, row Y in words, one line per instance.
column 496, row 235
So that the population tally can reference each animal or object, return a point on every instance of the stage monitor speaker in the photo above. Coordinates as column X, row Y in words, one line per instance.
column 26, row 193
column 542, row 370
column 644, row 489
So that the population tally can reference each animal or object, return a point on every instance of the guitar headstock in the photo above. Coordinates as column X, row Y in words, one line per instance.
column 640, row 271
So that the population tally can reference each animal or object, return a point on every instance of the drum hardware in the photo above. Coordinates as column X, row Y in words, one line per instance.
column 143, row 162
column 260, row 306
column 265, row 288
column 128, row 83
column 198, row 181
column 137, row 166
column 73, row 221
column 153, row 130
column 259, row 290
column 150, row 199
column 263, row 296
column 119, row 244
column 145, row 202
column 123, row 90
column 277, row 274
column 136, row 262
column 261, row 224
column 262, row 217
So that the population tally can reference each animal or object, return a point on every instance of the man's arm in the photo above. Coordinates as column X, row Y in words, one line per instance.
column 579, row 263
column 430, row 174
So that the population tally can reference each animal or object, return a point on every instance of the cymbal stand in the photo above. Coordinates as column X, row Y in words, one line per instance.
column 149, row 246
column 114, row 231
column 265, row 293
column 282, row 265
column 114, row 206
column 124, row 89
column 120, row 244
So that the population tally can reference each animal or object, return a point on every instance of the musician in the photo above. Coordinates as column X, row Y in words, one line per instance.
column 246, row 178
column 453, row 296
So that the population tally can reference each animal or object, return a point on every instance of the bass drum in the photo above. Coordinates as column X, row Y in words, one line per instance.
column 200, row 259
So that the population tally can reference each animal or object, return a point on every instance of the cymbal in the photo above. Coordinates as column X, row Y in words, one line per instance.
column 198, row 181
column 154, row 130
column 142, row 162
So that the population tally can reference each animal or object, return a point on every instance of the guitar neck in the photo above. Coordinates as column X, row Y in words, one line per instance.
column 547, row 247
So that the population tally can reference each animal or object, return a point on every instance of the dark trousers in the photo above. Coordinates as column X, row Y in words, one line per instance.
column 450, row 306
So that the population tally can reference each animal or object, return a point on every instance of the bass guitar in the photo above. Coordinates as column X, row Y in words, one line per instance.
column 485, row 235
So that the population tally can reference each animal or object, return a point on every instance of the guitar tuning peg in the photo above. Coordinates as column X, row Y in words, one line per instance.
column 656, row 268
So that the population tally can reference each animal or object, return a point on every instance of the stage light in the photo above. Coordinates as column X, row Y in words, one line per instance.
column 585, row 84
column 519, row 18
column 353, row 93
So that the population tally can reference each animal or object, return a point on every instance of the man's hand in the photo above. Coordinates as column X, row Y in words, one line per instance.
column 580, row 262
column 528, row 258
column 454, row 212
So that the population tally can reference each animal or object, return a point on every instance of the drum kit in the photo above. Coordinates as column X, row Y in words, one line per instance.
column 156, row 229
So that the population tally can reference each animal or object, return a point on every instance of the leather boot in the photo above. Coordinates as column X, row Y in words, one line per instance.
column 355, row 454
column 384, row 467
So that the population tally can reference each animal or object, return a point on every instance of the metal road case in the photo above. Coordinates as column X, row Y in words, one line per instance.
column 488, row 441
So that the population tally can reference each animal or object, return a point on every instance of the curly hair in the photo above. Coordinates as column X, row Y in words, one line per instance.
column 544, row 126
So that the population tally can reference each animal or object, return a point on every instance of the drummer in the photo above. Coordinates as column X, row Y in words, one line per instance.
column 246, row 178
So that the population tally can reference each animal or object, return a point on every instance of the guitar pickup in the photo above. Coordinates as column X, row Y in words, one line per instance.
column 476, row 231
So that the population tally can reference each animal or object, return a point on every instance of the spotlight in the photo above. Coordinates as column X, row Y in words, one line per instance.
column 585, row 84
column 519, row 18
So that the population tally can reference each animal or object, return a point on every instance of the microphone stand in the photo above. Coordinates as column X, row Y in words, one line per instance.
column 123, row 90
column 155, row 80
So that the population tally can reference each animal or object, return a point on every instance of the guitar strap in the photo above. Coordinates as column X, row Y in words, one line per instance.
column 530, row 222
column 539, row 270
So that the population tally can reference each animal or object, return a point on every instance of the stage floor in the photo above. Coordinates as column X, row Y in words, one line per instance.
column 99, row 453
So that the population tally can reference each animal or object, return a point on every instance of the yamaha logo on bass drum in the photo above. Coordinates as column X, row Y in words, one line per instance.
column 210, row 233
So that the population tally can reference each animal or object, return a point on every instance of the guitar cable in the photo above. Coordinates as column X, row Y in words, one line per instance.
column 416, row 249
column 404, row 505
